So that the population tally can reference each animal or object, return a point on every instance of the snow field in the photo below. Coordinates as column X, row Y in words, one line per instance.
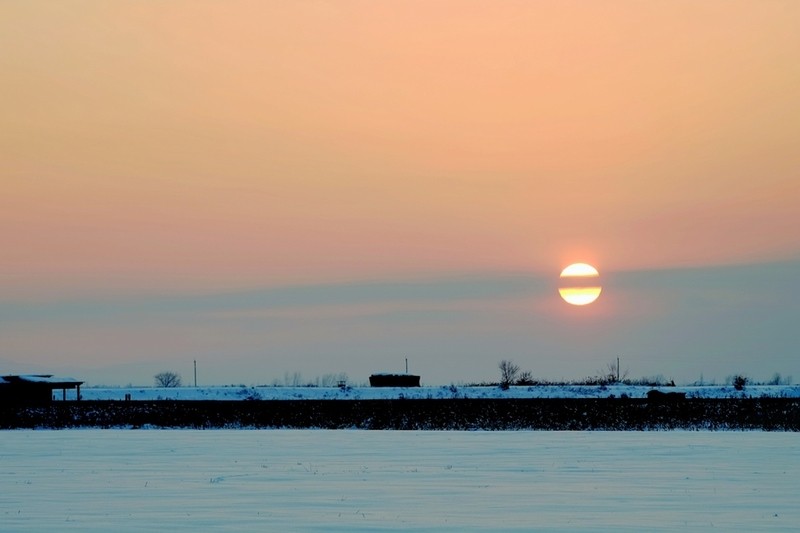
column 385, row 393
column 311, row 480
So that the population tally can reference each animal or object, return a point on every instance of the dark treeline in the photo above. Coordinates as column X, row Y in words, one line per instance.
column 772, row 414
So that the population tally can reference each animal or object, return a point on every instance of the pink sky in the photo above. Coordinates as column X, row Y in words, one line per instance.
column 271, row 140
column 201, row 145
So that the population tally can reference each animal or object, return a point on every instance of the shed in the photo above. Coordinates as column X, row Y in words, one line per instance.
column 394, row 380
column 36, row 388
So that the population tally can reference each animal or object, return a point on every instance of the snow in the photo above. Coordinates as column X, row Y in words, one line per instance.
column 40, row 378
column 376, row 393
column 312, row 480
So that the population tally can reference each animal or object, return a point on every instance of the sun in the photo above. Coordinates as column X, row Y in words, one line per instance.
column 579, row 284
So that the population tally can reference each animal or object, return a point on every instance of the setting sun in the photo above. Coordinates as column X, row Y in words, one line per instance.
column 579, row 284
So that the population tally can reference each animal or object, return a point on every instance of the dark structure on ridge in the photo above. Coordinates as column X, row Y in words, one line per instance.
column 394, row 380
column 35, row 389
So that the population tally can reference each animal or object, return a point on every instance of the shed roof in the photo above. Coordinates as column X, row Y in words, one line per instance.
column 46, row 379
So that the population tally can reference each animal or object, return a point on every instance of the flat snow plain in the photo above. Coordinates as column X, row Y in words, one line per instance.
column 314, row 480
column 384, row 393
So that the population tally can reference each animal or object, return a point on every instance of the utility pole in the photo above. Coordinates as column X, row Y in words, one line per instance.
column 195, row 373
column 617, row 369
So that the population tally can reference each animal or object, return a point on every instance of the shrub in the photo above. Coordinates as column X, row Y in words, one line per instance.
column 525, row 378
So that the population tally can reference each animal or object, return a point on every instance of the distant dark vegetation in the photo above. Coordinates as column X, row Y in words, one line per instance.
column 167, row 379
column 512, row 375
column 658, row 413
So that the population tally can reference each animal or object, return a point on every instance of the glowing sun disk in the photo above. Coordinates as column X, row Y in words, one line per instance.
column 579, row 269
column 580, row 295
column 578, row 284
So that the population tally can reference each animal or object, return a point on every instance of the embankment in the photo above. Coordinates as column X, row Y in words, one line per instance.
column 771, row 414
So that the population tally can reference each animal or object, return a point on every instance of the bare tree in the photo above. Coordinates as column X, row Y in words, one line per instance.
column 167, row 379
column 612, row 374
column 508, row 373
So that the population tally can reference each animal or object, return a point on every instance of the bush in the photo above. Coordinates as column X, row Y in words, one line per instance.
column 739, row 382
column 777, row 379
column 525, row 378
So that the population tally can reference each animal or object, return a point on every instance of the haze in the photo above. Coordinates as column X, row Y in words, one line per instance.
column 325, row 187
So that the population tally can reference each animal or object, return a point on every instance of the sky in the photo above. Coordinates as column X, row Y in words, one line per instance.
column 271, row 188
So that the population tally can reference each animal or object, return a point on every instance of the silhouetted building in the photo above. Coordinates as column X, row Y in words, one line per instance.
column 35, row 388
column 394, row 380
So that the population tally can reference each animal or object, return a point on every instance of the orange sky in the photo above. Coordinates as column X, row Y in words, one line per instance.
column 263, row 142
column 197, row 147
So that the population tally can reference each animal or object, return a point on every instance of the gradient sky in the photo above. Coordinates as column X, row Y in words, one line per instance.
column 324, row 187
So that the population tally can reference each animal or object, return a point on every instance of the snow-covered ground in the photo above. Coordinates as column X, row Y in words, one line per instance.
column 370, row 393
column 312, row 480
